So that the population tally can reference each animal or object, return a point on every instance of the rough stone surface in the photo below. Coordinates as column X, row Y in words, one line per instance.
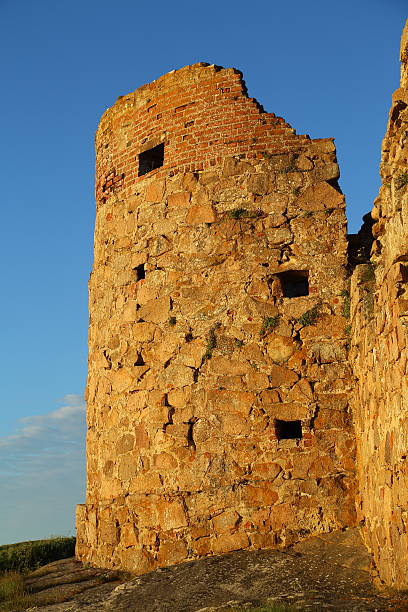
column 227, row 388
column 199, row 344
column 379, row 354
column 328, row 572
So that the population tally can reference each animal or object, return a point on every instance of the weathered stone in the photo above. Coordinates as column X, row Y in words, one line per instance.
column 171, row 552
column 304, row 163
column 258, row 184
column 155, row 191
column 280, row 348
column 379, row 356
column 281, row 377
column 200, row 214
column 155, row 311
column 320, row 197
column 181, row 199
column 197, row 347
column 228, row 542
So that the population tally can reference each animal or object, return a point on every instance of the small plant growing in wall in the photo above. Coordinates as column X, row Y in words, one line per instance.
column 367, row 274
column 290, row 168
column 172, row 321
column 346, row 303
column 243, row 213
column 211, row 341
column 401, row 180
column 268, row 324
column 309, row 317
column 368, row 304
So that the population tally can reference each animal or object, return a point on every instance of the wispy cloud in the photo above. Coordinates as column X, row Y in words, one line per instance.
column 42, row 473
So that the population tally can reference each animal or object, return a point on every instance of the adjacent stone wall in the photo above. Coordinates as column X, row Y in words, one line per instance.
column 217, row 404
column 379, row 355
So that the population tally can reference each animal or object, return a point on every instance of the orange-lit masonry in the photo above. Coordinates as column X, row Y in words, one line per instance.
column 223, row 361
column 218, row 377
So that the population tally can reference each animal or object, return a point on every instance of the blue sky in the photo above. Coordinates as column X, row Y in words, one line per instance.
column 328, row 68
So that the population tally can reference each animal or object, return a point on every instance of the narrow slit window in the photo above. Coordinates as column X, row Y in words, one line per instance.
column 288, row 430
column 294, row 283
column 140, row 272
column 151, row 159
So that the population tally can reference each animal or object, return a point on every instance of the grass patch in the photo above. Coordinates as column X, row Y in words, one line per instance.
column 268, row 324
column 28, row 556
column 13, row 595
column 309, row 317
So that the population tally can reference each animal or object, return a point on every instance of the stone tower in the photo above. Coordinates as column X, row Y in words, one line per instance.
column 218, row 383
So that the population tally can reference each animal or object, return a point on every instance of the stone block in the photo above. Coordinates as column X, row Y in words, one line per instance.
column 226, row 522
column 180, row 199
column 256, row 381
column 136, row 561
column 171, row 514
column 200, row 214
column 155, row 311
column 229, row 542
column 259, row 495
column 234, row 424
column 171, row 552
column 165, row 462
column 281, row 377
column 266, row 470
column 279, row 348
column 320, row 196
column 155, row 191
column 202, row 546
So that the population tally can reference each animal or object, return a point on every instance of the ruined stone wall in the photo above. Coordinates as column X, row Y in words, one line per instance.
column 379, row 355
column 218, row 385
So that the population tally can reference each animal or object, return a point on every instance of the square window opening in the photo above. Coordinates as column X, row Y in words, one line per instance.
column 288, row 430
column 294, row 283
column 151, row 159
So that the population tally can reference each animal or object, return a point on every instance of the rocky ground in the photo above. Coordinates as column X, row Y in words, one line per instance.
column 330, row 572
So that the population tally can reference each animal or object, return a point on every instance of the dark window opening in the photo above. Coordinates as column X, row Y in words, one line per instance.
column 140, row 272
column 139, row 361
column 404, row 273
column 295, row 283
column 151, row 159
column 288, row 430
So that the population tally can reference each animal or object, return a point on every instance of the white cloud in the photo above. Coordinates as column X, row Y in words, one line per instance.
column 42, row 473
